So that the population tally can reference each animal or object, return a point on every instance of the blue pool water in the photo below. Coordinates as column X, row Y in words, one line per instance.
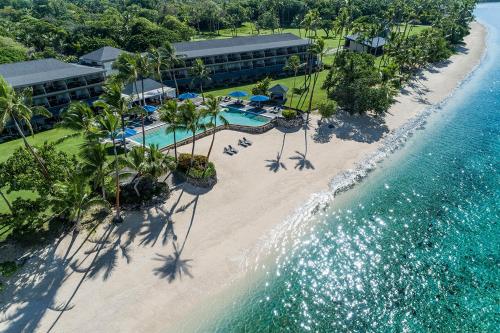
column 158, row 136
column 414, row 248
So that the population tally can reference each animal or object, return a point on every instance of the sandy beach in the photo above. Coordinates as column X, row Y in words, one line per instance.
column 152, row 271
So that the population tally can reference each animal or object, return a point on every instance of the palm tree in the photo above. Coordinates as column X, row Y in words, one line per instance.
column 158, row 63
column 95, row 165
column 169, row 113
column 73, row 196
column 143, row 67
column 311, row 21
column 16, row 107
column 171, row 60
column 156, row 163
column 2, row 184
column 214, row 111
column 79, row 117
column 149, row 161
column 110, row 125
column 190, row 121
column 317, row 49
column 294, row 65
column 201, row 73
column 127, row 66
column 342, row 23
column 121, row 105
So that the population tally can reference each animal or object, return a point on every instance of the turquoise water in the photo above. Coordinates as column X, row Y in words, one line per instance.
column 159, row 137
column 414, row 248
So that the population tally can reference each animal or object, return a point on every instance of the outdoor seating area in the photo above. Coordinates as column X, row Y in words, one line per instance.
column 243, row 142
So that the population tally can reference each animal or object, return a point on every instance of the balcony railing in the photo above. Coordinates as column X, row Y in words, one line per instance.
column 95, row 80
column 51, row 89
column 38, row 91
column 75, row 84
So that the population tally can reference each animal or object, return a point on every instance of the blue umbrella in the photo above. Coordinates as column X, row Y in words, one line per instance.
column 238, row 94
column 259, row 98
column 130, row 132
column 187, row 96
column 127, row 134
column 150, row 108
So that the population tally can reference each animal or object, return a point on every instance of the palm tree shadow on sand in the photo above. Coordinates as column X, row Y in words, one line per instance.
column 302, row 162
column 276, row 165
column 174, row 266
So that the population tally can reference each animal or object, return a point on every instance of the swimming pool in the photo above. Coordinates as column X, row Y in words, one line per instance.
column 157, row 136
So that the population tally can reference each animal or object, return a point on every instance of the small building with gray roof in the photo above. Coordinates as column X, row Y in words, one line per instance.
column 357, row 43
column 103, row 58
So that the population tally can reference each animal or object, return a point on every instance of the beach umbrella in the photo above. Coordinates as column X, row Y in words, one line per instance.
column 187, row 95
column 238, row 94
column 150, row 108
column 130, row 132
column 259, row 98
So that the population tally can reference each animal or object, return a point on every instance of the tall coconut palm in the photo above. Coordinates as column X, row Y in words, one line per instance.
column 128, row 70
column 191, row 121
column 171, row 61
column 109, row 124
column 144, row 70
column 201, row 73
column 73, row 196
column 342, row 24
column 317, row 49
column 214, row 111
column 95, row 164
column 158, row 63
column 16, row 107
column 169, row 113
column 121, row 105
column 293, row 65
column 79, row 117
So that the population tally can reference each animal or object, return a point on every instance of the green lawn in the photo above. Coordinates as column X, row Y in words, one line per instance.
column 319, row 94
column 68, row 146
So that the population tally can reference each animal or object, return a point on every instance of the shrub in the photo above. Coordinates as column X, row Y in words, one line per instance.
column 261, row 87
column 8, row 268
column 327, row 109
column 202, row 173
column 289, row 114
column 184, row 162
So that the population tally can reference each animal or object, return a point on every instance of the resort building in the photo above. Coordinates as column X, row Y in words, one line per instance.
column 373, row 46
column 239, row 59
column 230, row 61
column 102, row 58
column 54, row 83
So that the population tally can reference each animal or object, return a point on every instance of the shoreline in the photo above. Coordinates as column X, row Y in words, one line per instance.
column 146, row 282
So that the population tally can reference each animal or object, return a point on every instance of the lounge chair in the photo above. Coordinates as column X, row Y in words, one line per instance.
column 234, row 151
column 242, row 143
column 247, row 142
column 228, row 151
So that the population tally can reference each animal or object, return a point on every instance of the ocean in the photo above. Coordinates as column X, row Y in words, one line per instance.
column 414, row 247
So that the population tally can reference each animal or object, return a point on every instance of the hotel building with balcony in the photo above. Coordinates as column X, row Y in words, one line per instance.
column 240, row 59
column 54, row 83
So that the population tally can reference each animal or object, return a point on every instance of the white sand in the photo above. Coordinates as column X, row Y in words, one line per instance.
column 122, row 284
